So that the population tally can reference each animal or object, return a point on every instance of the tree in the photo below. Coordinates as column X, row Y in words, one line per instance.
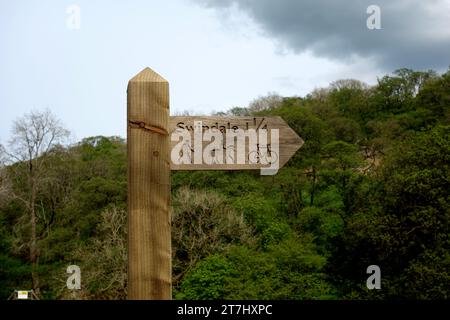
column 395, row 94
column 238, row 111
column 403, row 227
column 434, row 99
column 348, row 84
column 5, row 186
column 349, row 98
column 319, row 94
column 203, row 224
column 33, row 136
column 271, row 101
column 103, row 260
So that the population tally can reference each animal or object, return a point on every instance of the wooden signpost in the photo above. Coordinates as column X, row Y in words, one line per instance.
column 289, row 142
column 148, row 147
column 158, row 143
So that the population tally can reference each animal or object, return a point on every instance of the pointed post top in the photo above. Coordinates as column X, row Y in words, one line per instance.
column 147, row 75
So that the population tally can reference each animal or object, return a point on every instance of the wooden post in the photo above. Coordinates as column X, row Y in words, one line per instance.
column 149, row 238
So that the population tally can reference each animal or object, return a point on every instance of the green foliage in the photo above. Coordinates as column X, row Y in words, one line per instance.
column 262, row 214
column 13, row 270
column 370, row 186
column 203, row 223
column 208, row 280
column 405, row 226
column 288, row 270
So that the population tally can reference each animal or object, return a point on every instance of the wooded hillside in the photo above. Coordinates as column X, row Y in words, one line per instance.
column 370, row 186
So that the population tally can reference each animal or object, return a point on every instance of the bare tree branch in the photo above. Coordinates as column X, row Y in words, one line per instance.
column 34, row 136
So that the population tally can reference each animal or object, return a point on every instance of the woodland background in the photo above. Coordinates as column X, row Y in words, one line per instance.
column 370, row 186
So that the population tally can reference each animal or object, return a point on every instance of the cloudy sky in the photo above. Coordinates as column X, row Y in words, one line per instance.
column 215, row 54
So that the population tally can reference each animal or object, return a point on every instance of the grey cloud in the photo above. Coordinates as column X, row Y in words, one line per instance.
column 414, row 34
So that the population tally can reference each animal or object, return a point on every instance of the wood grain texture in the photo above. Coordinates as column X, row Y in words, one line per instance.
column 149, row 242
column 289, row 141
